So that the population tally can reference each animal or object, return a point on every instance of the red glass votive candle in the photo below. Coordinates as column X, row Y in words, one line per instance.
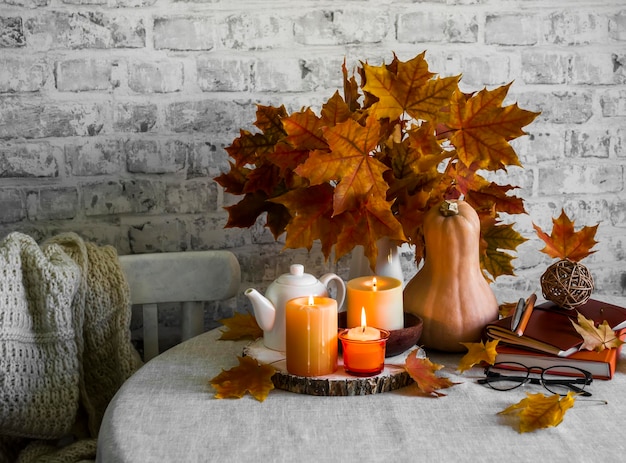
column 363, row 350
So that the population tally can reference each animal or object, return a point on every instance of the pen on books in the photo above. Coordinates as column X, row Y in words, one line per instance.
column 522, row 314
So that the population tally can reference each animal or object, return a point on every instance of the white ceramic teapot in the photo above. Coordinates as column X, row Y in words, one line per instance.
column 269, row 310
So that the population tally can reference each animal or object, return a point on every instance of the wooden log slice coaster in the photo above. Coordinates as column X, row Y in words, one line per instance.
column 340, row 383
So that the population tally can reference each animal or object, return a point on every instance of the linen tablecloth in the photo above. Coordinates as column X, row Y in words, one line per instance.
column 167, row 413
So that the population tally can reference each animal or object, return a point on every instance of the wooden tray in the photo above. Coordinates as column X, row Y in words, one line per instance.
column 339, row 383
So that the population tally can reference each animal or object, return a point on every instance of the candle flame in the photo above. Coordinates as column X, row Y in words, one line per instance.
column 363, row 319
column 374, row 283
column 311, row 300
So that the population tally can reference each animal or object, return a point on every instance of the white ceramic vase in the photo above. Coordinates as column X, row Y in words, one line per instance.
column 387, row 264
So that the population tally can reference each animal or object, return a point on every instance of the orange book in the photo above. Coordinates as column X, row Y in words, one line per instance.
column 601, row 365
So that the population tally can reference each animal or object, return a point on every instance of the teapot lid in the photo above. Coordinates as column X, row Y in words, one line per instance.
column 297, row 277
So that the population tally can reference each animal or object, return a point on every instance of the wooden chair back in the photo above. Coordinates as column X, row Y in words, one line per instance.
column 190, row 277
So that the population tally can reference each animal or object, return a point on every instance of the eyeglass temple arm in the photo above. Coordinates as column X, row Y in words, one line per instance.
column 492, row 378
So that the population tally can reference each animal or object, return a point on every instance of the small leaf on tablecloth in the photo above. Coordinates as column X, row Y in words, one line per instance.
column 538, row 411
column 250, row 376
column 478, row 352
column 595, row 337
column 422, row 370
column 240, row 326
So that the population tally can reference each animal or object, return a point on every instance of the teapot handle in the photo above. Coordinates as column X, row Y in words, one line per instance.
column 341, row 288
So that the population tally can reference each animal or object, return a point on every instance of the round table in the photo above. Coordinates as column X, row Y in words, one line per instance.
column 167, row 412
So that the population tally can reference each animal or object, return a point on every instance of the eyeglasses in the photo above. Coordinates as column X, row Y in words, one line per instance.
column 558, row 379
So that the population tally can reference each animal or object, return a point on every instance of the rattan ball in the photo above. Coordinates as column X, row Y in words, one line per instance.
column 566, row 283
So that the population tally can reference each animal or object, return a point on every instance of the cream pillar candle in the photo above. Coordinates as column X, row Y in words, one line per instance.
column 311, row 336
column 381, row 297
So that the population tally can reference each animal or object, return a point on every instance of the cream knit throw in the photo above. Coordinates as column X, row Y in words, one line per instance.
column 64, row 345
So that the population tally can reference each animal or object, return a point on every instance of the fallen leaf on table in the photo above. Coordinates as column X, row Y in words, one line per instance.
column 596, row 338
column 422, row 370
column 538, row 411
column 478, row 352
column 564, row 242
column 240, row 326
column 250, row 376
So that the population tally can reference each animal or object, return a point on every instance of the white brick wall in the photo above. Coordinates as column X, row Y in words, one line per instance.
column 114, row 115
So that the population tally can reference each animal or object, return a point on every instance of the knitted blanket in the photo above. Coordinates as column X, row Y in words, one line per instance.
column 64, row 345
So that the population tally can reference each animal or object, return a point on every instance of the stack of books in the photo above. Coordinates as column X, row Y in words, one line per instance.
column 549, row 338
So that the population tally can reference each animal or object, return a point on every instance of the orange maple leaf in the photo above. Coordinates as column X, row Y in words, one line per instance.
column 349, row 163
column 249, row 376
column 335, row 110
column 240, row 326
column 538, row 411
column 482, row 128
column 304, row 130
column 408, row 87
column 373, row 221
column 564, row 242
column 422, row 370
column 478, row 352
column 312, row 209
column 595, row 337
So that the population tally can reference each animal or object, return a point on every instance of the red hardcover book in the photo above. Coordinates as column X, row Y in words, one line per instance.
column 550, row 330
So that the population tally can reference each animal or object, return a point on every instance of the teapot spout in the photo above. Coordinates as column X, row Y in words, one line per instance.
column 264, row 310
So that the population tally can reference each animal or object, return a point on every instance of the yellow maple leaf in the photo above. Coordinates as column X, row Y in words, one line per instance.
column 478, row 352
column 422, row 370
column 240, row 326
column 595, row 337
column 250, row 376
column 506, row 309
column 538, row 411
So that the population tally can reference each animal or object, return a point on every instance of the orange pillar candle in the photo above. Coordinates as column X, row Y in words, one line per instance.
column 311, row 336
column 363, row 349
column 382, row 298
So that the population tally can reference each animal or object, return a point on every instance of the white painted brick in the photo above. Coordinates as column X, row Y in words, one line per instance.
column 156, row 77
column 77, row 75
column 29, row 160
column 596, row 68
column 150, row 156
column 94, row 157
column 545, row 67
column 434, row 26
column 11, row 205
column 224, row 74
column 22, row 74
column 594, row 144
column 81, row 29
column 577, row 27
column 512, row 29
column 52, row 203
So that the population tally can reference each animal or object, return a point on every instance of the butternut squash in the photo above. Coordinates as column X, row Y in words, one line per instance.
column 449, row 292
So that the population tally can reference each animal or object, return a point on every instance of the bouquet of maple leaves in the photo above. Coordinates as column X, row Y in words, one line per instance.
column 376, row 159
